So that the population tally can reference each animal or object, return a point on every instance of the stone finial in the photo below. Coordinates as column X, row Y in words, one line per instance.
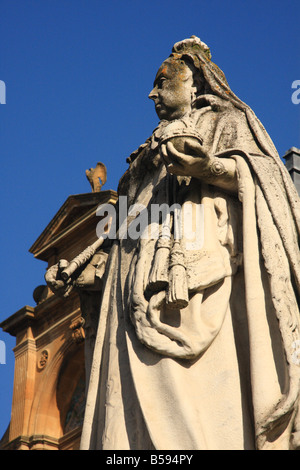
column 40, row 294
column 97, row 177
column 292, row 159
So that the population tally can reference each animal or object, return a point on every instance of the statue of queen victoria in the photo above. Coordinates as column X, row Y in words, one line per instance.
column 196, row 345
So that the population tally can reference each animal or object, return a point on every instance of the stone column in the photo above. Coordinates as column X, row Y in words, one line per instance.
column 25, row 370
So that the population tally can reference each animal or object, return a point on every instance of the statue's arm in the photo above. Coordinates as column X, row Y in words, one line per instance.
column 220, row 172
column 88, row 278
column 92, row 275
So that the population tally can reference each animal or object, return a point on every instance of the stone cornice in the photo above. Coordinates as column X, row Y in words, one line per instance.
column 18, row 321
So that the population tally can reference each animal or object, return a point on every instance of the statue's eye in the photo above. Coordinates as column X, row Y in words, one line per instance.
column 160, row 81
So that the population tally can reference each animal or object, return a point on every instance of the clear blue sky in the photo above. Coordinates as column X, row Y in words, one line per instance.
column 77, row 75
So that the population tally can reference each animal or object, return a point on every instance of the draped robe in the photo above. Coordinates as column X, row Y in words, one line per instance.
column 222, row 372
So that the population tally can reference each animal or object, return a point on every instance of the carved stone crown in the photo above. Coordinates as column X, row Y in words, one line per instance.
column 192, row 45
column 200, row 54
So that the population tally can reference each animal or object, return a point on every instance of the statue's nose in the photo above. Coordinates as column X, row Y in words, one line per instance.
column 153, row 94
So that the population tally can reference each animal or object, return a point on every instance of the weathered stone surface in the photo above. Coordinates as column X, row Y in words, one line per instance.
column 196, row 345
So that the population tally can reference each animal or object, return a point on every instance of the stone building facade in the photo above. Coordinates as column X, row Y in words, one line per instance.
column 49, row 380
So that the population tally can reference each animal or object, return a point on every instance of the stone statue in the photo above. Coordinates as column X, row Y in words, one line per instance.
column 97, row 177
column 196, row 346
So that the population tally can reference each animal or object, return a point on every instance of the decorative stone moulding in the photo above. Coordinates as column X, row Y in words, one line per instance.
column 77, row 330
column 43, row 359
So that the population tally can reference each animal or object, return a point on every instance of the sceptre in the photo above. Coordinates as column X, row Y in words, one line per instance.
column 83, row 257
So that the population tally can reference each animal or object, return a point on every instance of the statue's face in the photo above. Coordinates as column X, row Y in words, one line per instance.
column 173, row 90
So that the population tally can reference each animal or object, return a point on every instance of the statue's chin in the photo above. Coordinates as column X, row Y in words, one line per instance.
column 160, row 112
column 163, row 113
column 169, row 114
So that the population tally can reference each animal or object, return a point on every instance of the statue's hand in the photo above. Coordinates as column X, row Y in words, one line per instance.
column 55, row 282
column 89, row 278
column 188, row 158
column 194, row 161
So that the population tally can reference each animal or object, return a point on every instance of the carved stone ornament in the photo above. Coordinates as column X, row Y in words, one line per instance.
column 77, row 330
column 217, row 168
column 43, row 359
column 97, row 177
